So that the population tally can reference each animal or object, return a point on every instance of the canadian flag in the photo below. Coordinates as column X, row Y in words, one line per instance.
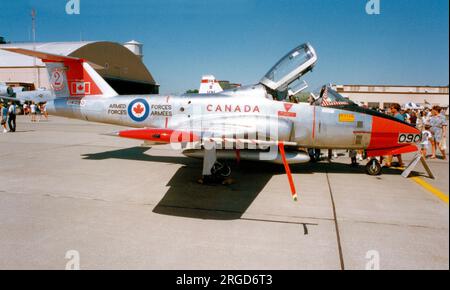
column 81, row 88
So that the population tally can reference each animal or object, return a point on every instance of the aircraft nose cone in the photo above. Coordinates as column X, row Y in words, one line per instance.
column 390, row 133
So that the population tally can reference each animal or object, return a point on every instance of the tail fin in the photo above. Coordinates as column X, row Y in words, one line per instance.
column 70, row 76
column 209, row 85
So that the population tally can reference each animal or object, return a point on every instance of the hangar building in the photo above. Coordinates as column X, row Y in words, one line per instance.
column 382, row 96
column 120, row 65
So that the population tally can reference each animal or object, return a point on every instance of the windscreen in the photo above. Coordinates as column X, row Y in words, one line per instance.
column 329, row 97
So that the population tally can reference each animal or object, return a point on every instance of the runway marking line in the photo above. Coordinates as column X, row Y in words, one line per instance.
column 439, row 194
column 442, row 196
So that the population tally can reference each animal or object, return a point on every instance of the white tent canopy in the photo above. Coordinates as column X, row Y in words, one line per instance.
column 413, row 106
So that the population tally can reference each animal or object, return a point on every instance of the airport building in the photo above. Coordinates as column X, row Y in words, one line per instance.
column 382, row 96
column 120, row 65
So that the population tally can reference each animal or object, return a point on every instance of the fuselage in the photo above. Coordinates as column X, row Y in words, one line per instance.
column 248, row 115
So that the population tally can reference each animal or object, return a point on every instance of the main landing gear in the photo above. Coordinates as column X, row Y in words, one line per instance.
column 373, row 167
column 220, row 174
column 213, row 170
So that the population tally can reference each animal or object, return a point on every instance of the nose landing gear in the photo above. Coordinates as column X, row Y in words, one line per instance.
column 373, row 167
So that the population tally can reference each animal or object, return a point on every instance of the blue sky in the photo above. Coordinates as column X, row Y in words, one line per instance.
column 239, row 40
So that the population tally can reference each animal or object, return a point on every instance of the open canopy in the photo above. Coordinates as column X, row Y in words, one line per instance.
column 290, row 68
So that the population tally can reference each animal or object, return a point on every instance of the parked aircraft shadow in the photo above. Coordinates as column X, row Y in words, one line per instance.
column 135, row 153
column 186, row 198
column 24, row 131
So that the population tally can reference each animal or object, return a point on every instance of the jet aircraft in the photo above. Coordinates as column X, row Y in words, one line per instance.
column 17, row 93
column 261, row 122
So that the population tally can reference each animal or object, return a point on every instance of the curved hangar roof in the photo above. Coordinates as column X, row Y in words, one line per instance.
column 122, row 69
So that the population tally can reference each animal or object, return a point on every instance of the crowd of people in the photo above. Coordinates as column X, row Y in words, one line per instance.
column 8, row 113
column 35, row 110
column 432, row 122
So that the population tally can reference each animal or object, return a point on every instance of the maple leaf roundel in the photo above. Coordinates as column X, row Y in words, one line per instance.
column 138, row 110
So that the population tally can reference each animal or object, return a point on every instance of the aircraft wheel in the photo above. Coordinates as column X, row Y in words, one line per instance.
column 314, row 154
column 373, row 167
column 221, row 169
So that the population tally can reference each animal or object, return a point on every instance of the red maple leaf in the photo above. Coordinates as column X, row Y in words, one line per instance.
column 80, row 87
column 138, row 109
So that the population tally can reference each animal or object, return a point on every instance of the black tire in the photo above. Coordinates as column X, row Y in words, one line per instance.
column 314, row 154
column 226, row 171
column 373, row 167
column 221, row 169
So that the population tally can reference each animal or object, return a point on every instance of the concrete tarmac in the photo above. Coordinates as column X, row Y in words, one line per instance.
column 65, row 187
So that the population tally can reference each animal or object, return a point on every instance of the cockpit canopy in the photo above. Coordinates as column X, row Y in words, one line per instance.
column 330, row 98
column 290, row 68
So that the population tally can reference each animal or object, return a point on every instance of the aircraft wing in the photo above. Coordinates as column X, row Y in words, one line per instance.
column 12, row 99
column 31, row 96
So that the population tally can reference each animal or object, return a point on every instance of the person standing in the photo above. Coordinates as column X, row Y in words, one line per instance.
column 33, row 112
column 413, row 118
column 25, row 109
column 427, row 137
column 352, row 154
column 4, row 117
column 438, row 128
column 395, row 111
column 43, row 109
column 12, row 117
column 420, row 123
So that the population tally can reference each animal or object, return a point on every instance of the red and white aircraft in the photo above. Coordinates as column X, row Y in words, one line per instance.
column 258, row 122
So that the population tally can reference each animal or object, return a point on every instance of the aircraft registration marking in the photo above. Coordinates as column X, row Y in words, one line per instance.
column 409, row 138
column 57, row 79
